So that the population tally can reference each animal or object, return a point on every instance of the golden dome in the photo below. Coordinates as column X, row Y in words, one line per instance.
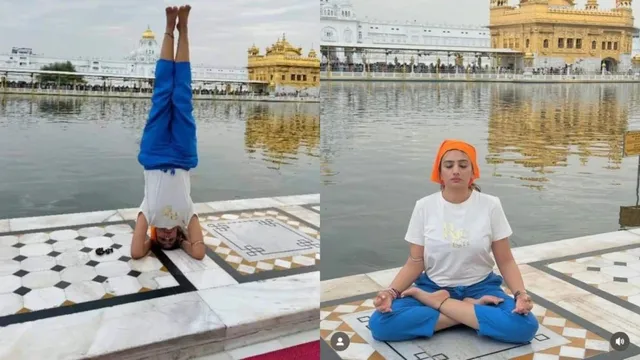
column 312, row 54
column 148, row 34
column 253, row 50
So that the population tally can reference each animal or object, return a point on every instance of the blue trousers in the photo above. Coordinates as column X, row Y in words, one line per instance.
column 410, row 319
column 169, row 137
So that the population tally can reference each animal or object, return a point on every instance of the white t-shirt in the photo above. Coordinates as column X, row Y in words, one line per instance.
column 457, row 238
column 167, row 198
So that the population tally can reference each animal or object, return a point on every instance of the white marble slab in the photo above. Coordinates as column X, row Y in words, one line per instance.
column 4, row 226
column 299, row 199
column 53, row 221
column 129, row 214
column 348, row 286
column 258, row 239
column 265, row 304
column 111, row 329
column 305, row 214
column 575, row 246
column 242, row 204
column 210, row 278
column 187, row 264
column 384, row 277
column 202, row 208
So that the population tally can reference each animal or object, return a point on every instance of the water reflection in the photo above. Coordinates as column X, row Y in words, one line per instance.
column 68, row 155
column 280, row 135
column 379, row 139
column 541, row 127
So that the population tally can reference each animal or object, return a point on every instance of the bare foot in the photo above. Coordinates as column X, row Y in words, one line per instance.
column 183, row 17
column 433, row 299
column 172, row 17
column 485, row 300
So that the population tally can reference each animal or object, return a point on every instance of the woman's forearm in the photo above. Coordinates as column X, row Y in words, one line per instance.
column 407, row 275
column 512, row 276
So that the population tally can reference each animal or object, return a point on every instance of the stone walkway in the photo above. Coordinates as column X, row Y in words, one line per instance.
column 259, row 282
column 585, row 290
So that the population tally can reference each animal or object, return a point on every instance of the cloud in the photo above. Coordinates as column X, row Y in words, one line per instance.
column 278, row 11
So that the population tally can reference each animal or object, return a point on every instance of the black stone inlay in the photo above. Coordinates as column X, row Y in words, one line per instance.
column 53, row 254
column 19, row 258
column 116, row 246
column 58, row 268
column 92, row 263
column 22, row 291
column 18, row 245
column 184, row 286
column 50, row 241
column 134, row 273
column 20, row 273
column 541, row 337
column 108, row 235
column 80, row 238
column 124, row 258
column 62, row 285
column 620, row 263
column 99, row 279
column 593, row 268
column 86, row 250
column 620, row 279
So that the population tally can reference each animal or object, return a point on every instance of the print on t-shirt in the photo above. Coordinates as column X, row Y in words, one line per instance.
column 457, row 237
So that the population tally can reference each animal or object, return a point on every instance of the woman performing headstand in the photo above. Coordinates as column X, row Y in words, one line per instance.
column 168, row 151
column 452, row 235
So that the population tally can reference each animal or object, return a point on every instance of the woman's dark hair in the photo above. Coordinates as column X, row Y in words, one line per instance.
column 180, row 237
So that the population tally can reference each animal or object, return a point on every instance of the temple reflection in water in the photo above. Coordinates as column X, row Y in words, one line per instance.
column 280, row 135
column 541, row 126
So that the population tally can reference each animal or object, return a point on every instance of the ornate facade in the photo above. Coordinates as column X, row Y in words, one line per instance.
column 286, row 69
column 555, row 33
column 340, row 24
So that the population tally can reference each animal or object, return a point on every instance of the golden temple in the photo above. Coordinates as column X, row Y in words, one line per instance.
column 285, row 68
column 556, row 33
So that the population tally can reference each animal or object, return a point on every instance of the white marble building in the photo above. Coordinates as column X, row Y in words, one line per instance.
column 340, row 24
column 140, row 62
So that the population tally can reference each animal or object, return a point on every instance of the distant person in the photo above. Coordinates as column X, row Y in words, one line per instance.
column 168, row 151
column 452, row 234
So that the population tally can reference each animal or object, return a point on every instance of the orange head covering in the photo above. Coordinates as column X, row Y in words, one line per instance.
column 449, row 145
column 154, row 234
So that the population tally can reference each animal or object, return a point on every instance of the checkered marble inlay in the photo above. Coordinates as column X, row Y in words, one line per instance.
column 617, row 273
column 45, row 270
column 255, row 241
column 558, row 338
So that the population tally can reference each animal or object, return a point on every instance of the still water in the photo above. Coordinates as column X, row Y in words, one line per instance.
column 64, row 155
column 551, row 152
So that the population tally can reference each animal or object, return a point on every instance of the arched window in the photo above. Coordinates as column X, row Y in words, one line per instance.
column 545, row 44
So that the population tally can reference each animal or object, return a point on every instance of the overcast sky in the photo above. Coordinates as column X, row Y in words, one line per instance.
column 221, row 31
column 471, row 12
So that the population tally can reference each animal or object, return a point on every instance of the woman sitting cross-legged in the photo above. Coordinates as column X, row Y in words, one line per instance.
column 452, row 234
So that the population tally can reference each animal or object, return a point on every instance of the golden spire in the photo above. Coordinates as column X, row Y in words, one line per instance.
column 148, row 34
column 592, row 5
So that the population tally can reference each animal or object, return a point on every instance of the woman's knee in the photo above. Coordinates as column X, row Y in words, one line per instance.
column 521, row 329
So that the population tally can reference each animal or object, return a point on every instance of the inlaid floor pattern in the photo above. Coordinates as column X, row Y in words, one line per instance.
column 262, row 240
column 617, row 273
column 45, row 270
column 558, row 338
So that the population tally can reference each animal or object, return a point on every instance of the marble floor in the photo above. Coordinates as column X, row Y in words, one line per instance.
column 584, row 291
column 260, row 251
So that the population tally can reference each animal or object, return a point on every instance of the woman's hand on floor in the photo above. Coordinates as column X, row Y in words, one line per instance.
column 383, row 301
